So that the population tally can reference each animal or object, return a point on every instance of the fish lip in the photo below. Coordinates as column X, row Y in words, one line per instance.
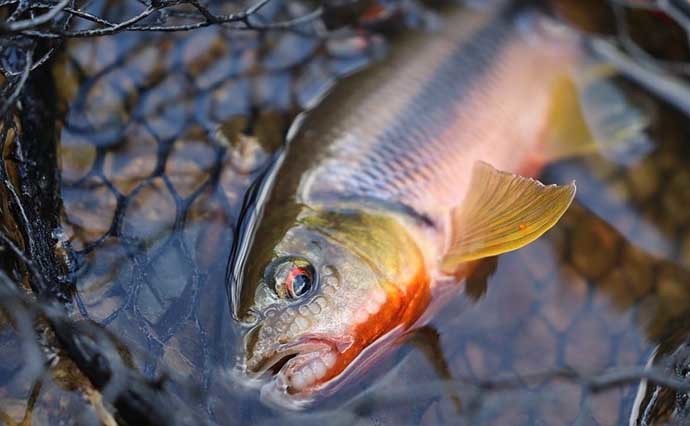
column 301, row 348
column 276, row 370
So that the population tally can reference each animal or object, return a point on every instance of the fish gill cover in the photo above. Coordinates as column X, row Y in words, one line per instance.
column 129, row 133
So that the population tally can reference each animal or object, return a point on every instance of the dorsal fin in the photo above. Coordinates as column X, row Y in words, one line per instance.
column 590, row 114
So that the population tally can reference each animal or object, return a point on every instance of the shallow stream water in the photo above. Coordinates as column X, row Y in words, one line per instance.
column 161, row 136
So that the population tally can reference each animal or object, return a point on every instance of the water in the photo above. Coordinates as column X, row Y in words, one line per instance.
column 162, row 134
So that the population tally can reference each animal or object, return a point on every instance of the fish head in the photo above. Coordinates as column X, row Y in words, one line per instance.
column 331, row 286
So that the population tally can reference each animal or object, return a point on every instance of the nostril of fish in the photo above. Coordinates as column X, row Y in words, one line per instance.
column 328, row 270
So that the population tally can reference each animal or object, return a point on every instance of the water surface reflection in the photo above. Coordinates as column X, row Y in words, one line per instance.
column 162, row 136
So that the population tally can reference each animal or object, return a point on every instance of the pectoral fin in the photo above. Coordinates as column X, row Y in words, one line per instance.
column 502, row 212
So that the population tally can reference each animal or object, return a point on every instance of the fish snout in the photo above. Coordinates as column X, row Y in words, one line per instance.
column 299, row 365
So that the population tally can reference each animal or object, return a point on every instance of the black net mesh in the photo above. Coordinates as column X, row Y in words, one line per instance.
column 131, row 131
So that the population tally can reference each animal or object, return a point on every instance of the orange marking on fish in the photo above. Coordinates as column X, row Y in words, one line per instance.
column 399, row 308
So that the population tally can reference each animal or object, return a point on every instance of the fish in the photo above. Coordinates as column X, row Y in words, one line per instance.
column 404, row 176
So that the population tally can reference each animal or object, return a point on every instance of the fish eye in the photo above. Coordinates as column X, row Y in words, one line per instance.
column 290, row 277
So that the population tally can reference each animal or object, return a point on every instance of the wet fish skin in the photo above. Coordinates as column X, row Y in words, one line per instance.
column 366, row 189
column 358, row 285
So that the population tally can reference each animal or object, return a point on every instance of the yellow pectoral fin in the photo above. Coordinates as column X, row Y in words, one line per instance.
column 502, row 212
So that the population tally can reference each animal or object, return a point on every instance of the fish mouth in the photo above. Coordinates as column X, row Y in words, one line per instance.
column 302, row 367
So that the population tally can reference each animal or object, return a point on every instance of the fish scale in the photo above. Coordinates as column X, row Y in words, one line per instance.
column 467, row 340
column 382, row 180
column 395, row 144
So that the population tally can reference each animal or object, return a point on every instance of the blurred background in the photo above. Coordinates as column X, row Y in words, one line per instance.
column 130, row 131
